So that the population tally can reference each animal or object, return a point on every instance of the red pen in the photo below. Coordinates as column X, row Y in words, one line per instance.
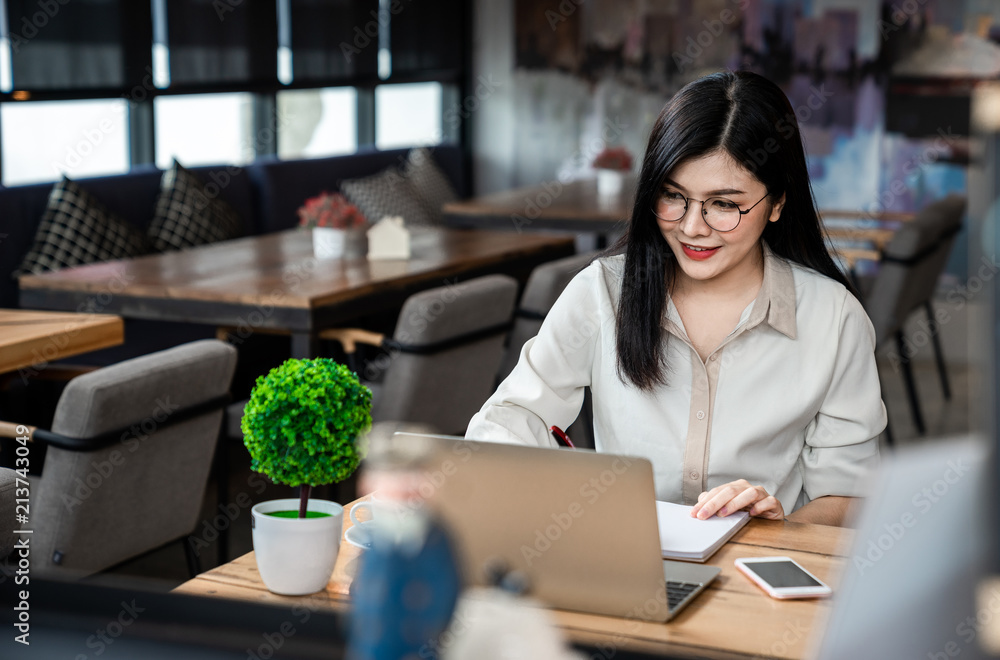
column 561, row 437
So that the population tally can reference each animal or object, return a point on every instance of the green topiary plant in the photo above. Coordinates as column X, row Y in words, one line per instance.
column 303, row 423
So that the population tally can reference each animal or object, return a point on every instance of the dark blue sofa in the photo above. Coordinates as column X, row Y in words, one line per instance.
column 266, row 194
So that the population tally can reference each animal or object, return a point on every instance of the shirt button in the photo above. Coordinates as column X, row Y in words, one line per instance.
column 712, row 357
column 694, row 475
column 701, row 414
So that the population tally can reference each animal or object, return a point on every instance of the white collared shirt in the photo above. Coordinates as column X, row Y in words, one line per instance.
column 790, row 400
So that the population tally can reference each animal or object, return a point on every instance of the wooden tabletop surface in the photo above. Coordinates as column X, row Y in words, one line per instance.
column 731, row 619
column 881, row 216
column 576, row 206
column 573, row 206
column 279, row 269
column 29, row 337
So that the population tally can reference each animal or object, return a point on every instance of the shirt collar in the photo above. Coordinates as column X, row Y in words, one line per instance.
column 775, row 302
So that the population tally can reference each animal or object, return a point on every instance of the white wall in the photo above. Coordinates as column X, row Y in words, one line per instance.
column 538, row 124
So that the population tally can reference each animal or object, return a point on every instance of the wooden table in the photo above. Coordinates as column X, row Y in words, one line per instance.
column 572, row 206
column 274, row 281
column 881, row 216
column 731, row 619
column 576, row 206
column 29, row 337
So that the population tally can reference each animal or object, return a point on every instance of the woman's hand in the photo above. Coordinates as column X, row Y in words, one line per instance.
column 736, row 495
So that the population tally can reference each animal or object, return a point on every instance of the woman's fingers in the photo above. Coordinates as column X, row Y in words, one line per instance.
column 743, row 500
column 733, row 488
column 704, row 499
column 719, row 499
column 734, row 496
column 769, row 508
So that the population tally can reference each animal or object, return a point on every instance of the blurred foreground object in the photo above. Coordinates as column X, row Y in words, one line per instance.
column 406, row 589
column 495, row 624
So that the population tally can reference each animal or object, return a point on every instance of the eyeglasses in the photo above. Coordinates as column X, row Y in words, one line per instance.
column 719, row 213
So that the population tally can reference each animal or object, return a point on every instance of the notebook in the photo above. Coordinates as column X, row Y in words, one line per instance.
column 689, row 539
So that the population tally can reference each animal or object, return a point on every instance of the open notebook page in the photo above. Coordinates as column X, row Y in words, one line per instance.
column 684, row 537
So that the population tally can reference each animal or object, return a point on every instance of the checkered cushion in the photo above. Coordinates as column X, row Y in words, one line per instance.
column 386, row 193
column 187, row 215
column 77, row 229
column 429, row 182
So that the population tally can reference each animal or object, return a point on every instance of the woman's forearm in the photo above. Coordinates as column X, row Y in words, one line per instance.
column 830, row 510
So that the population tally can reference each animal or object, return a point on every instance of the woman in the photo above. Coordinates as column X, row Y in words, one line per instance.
column 724, row 345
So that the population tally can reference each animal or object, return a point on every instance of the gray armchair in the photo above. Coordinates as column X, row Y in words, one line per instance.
column 912, row 263
column 443, row 356
column 128, row 458
column 544, row 286
column 6, row 511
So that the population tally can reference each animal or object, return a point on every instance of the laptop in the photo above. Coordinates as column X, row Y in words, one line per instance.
column 920, row 550
column 580, row 526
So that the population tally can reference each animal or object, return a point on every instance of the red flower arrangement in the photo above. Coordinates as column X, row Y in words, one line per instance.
column 613, row 158
column 331, row 210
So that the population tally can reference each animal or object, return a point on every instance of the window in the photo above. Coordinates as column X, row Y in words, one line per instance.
column 66, row 45
column 219, row 41
column 97, row 87
column 204, row 129
column 317, row 122
column 42, row 141
column 408, row 115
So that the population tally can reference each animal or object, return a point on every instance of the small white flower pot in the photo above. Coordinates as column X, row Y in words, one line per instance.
column 295, row 556
column 332, row 243
column 609, row 182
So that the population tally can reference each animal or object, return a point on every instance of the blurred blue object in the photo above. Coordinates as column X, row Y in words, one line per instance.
column 405, row 593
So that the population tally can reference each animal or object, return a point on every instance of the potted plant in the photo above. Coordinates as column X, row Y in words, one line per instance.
column 303, row 425
column 338, row 227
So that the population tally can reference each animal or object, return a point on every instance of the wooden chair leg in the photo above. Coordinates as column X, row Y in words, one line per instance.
column 911, row 387
column 938, row 353
column 193, row 563
column 889, row 440
column 222, row 492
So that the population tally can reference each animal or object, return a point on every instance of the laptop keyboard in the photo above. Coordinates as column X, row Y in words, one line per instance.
column 677, row 592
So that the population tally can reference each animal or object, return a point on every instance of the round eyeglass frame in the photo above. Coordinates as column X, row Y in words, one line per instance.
column 704, row 213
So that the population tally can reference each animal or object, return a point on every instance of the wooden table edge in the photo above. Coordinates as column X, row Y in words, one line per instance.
column 105, row 331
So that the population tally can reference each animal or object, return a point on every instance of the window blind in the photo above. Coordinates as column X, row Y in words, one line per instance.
column 63, row 44
column 426, row 35
column 221, row 41
column 333, row 39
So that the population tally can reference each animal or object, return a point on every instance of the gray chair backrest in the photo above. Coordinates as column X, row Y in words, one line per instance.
column 545, row 284
column 911, row 264
column 94, row 509
column 7, row 511
column 448, row 385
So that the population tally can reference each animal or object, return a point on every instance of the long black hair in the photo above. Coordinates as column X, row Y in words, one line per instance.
column 750, row 118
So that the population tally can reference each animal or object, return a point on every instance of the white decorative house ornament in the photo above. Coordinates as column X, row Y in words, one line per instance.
column 389, row 239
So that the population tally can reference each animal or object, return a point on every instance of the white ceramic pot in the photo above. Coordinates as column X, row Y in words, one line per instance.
column 609, row 182
column 295, row 556
column 331, row 243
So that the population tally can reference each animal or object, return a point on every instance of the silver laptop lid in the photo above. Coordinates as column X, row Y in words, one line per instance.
column 580, row 525
column 908, row 586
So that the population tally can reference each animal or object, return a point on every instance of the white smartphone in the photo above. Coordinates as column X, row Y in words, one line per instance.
column 782, row 577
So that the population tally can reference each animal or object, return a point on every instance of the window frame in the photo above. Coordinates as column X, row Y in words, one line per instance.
column 140, row 91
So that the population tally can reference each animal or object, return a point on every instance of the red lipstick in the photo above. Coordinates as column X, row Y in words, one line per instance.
column 698, row 255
